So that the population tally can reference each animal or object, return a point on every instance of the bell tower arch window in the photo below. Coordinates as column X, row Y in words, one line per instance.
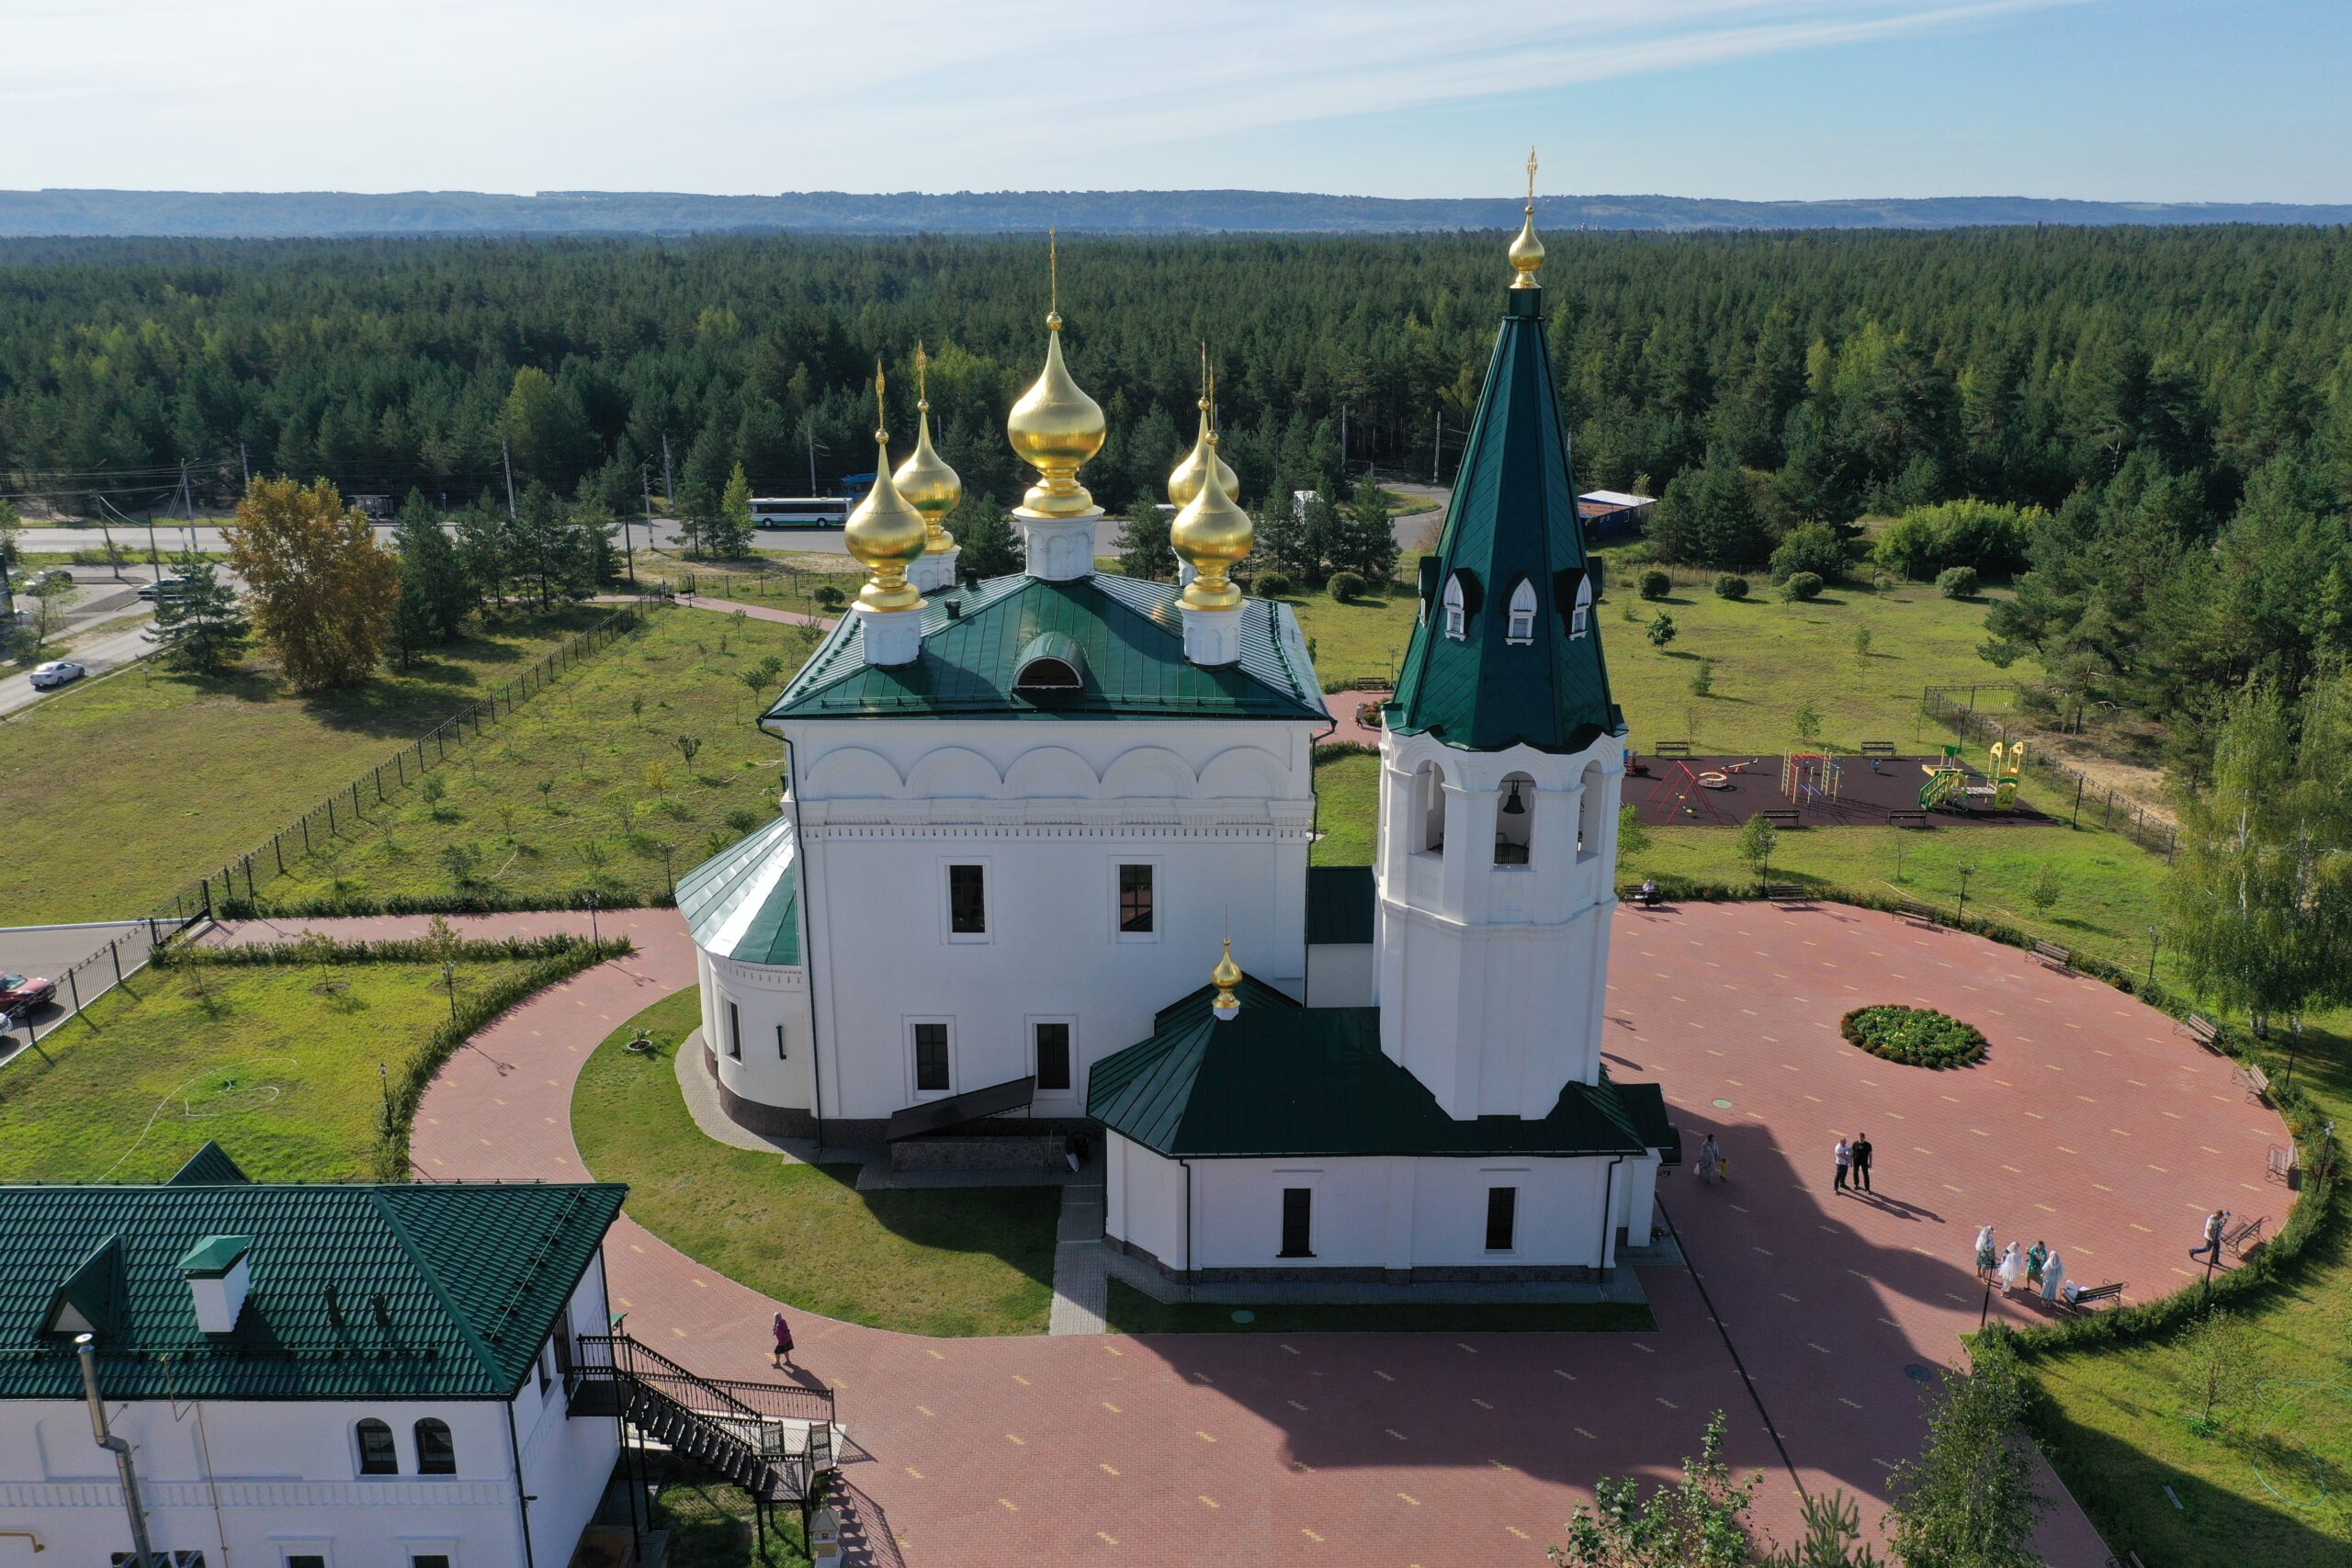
column 1580, row 618
column 1521, row 629
column 1588, row 804
column 1515, row 821
column 1454, row 615
column 1429, row 805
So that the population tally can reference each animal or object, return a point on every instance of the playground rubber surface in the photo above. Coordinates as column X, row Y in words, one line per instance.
column 1867, row 796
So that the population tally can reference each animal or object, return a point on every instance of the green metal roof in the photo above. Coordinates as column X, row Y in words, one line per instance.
column 1129, row 638
column 744, row 902
column 1512, row 519
column 471, row 1280
column 209, row 1167
column 1339, row 905
column 1283, row 1079
column 215, row 1256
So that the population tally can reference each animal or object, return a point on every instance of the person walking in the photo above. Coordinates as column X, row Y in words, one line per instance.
column 1988, row 1254
column 2012, row 1269
column 1710, row 1156
column 1845, row 1153
column 2053, row 1280
column 2036, row 1256
column 2215, row 1223
column 783, row 1330
column 1861, row 1158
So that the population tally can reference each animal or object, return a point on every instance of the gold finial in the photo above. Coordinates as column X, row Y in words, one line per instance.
column 929, row 485
column 1225, row 976
column 1052, row 272
column 1213, row 535
column 1527, row 250
column 1185, row 480
column 884, row 533
column 1055, row 427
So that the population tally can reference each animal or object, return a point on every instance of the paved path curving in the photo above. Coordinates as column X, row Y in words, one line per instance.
column 2093, row 1125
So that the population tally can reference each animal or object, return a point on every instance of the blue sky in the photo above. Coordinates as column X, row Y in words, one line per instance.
column 2168, row 100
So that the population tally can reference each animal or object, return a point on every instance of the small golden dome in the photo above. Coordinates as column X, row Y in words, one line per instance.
column 1185, row 480
column 1213, row 535
column 884, row 532
column 924, row 480
column 1054, row 428
column 1527, row 250
column 1225, row 976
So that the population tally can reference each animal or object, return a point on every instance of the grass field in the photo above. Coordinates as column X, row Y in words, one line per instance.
column 584, row 786
column 129, row 786
column 282, row 1076
column 950, row 1262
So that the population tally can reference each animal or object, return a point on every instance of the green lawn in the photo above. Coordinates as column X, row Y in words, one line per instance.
column 283, row 1077
column 142, row 780
column 952, row 1262
column 1347, row 794
column 586, row 784
column 709, row 1521
column 1359, row 641
column 1132, row 1312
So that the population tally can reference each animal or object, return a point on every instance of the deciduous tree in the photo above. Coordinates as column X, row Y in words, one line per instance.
column 320, row 592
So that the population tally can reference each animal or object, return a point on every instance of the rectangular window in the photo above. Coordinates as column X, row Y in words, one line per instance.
column 967, row 900
column 1134, row 900
column 1298, row 1221
column 428, row 1560
column 931, row 1058
column 293, row 1559
column 779, row 1042
column 734, row 1033
column 1052, row 1056
column 1502, row 1217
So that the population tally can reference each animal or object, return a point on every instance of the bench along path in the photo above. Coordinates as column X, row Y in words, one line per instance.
column 2093, row 1125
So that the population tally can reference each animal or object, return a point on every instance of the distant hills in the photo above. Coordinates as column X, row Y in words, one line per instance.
column 289, row 214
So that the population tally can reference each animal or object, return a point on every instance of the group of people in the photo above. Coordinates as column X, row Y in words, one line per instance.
column 1853, row 1159
column 2040, row 1270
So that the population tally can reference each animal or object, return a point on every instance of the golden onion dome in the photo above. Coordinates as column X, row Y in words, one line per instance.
column 924, row 480
column 1527, row 250
column 1225, row 976
column 1185, row 480
column 1213, row 535
column 1054, row 428
column 885, row 533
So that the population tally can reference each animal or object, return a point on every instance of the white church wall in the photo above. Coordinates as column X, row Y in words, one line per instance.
column 753, row 1060
column 1143, row 1201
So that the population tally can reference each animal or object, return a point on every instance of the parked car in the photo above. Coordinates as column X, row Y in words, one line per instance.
column 56, row 673
column 21, row 992
column 159, row 588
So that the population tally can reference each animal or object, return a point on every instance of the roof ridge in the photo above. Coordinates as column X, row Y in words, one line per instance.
column 457, row 1317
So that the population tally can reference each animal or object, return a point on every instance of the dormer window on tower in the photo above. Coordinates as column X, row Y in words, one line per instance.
column 1580, row 620
column 1455, row 617
column 1523, row 613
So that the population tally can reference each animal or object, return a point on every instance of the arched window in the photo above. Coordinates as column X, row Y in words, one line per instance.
column 1515, row 821
column 376, row 1454
column 1523, row 613
column 1454, row 616
column 1588, row 804
column 436, row 1453
column 1580, row 621
column 1428, row 798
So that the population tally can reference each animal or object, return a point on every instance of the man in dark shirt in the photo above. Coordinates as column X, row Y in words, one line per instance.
column 1861, row 1162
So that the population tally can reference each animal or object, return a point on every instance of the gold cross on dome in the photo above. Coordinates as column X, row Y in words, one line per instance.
column 881, row 413
column 1052, row 272
column 1530, row 176
column 922, row 374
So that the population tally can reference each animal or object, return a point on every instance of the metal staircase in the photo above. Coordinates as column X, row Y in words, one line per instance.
column 775, row 1440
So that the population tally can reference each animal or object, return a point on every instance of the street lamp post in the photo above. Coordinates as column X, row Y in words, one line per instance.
column 2294, row 1047
column 449, row 983
column 1966, row 870
column 2155, row 936
column 592, row 936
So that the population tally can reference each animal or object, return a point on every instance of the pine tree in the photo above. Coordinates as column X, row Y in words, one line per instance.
column 984, row 534
column 728, row 535
column 199, row 627
column 1283, row 542
column 435, row 596
column 1363, row 537
column 1144, row 548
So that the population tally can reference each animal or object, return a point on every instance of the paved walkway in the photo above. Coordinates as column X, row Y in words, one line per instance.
column 2093, row 1125
column 1081, row 1261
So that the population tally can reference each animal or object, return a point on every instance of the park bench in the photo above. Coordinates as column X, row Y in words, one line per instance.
column 1878, row 749
column 2255, row 1081
column 1912, row 909
column 1907, row 819
column 1782, row 892
column 2050, row 952
column 1783, row 817
column 2279, row 1164
column 1671, row 749
column 2204, row 1030
column 2243, row 1237
column 2097, row 1293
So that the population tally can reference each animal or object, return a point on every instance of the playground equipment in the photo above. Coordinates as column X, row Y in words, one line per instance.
column 1947, row 782
column 1952, row 785
column 2006, row 765
column 1689, row 792
column 1807, row 777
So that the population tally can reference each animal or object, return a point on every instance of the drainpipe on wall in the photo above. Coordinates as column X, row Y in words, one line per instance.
column 522, row 1498
column 1608, row 1211
column 87, row 1350
column 1191, row 1264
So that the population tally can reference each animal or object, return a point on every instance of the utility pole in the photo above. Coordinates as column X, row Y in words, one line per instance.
column 507, row 457
column 1437, row 447
column 188, row 500
column 810, row 426
column 669, row 491
column 645, row 484
column 246, row 467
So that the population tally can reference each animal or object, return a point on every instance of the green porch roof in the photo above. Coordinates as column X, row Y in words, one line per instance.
column 744, row 902
column 472, row 1280
column 1129, row 637
column 1281, row 1080
column 1512, row 519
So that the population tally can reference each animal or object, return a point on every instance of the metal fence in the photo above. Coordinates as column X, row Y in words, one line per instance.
column 242, row 878
column 2086, row 802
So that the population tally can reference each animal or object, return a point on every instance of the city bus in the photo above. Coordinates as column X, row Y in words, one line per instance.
column 799, row 510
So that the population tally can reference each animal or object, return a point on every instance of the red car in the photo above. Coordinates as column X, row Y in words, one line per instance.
column 21, row 992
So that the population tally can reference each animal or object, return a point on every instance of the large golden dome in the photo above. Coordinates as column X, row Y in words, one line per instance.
column 1185, row 480
column 1054, row 428
column 924, row 480
column 1213, row 535
column 884, row 532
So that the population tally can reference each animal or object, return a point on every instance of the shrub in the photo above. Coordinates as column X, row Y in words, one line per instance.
column 1957, row 582
column 1655, row 584
column 1917, row 1037
column 1703, row 679
column 1662, row 630
column 1731, row 585
column 1271, row 584
column 831, row 598
column 1346, row 587
column 1816, row 547
column 1982, row 534
column 1801, row 585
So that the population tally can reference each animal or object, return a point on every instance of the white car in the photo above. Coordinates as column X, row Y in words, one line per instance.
column 56, row 673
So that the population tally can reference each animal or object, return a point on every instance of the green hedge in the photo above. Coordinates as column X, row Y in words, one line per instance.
column 1916, row 1037
column 413, row 950
column 346, row 906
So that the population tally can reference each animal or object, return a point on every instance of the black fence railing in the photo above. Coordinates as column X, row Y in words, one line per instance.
column 775, row 1439
column 2083, row 801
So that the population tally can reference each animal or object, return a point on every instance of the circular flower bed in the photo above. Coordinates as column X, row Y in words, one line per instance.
column 1914, row 1037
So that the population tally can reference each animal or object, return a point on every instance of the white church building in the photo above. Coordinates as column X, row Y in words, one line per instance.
column 1026, row 817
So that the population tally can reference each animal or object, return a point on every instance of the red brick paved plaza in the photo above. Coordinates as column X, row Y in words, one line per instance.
column 2093, row 1125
